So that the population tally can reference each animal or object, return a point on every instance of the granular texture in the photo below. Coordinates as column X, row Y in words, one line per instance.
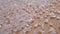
column 29, row 16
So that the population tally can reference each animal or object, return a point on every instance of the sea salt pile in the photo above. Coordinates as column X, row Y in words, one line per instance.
column 29, row 16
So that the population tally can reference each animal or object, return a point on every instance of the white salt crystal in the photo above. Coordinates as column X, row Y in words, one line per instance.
column 52, row 30
column 58, row 17
column 52, row 14
column 46, row 20
column 36, row 24
column 30, row 19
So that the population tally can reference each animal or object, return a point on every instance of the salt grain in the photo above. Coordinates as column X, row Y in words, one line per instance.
column 14, row 30
column 51, row 24
column 52, row 13
column 27, row 25
column 42, row 31
column 36, row 24
column 40, row 24
column 52, row 30
column 46, row 20
column 58, row 17
column 41, row 17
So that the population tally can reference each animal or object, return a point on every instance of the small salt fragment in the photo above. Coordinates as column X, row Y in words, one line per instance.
column 14, row 30
column 42, row 31
column 58, row 11
column 58, row 17
column 51, row 24
column 27, row 25
column 36, row 24
column 30, row 19
column 39, row 24
column 52, row 17
column 27, row 29
column 52, row 30
column 34, row 32
column 46, row 21
column 45, row 16
column 42, row 26
column 15, row 4
column 41, row 17
column 51, row 14
column 41, row 12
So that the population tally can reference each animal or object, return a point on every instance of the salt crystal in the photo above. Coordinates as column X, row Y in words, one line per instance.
column 34, row 32
column 36, row 24
column 40, row 24
column 27, row 25
column 29, row 3
column 46, row 20
column 30, row 19
column 42, row 31
column 52, row 30
column 41, row 17
column 14, row 30
column 52, row 14
column 51, row 24
column 58, row 17
column 27, row 29
column 58, row 11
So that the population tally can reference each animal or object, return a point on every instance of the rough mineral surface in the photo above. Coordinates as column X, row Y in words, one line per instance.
column 29, row 16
